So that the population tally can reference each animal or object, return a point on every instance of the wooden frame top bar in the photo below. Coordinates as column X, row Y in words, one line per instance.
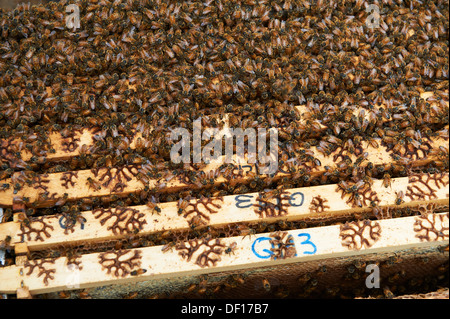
column 212, row 255
column 307, row 203
column 48, row 189
column 69, row 146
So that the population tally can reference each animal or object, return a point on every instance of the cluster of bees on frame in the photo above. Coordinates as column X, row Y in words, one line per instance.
column 152, row 66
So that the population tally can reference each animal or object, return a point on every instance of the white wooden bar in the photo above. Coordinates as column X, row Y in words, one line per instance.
column 232, row 253
column 307, row 203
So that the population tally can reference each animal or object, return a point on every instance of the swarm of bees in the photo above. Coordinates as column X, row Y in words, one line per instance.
column 151, row 66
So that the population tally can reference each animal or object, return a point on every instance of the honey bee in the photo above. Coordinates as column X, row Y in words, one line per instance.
column 153, row 207
column 182, row 205
column 360, row 264
column 392, row 260
column 399, row 198
column 5, row 244
column 196, row 221
column 388, row 293
column 396, row 276
column 132, row 295
column 191, row 288
column 245, row 230
column 95, row 185
column 266, row 285
column 64, row 295
column 332, row 291
column 230, row 249
column 168, row 246
column 84, row 294
column 322, row 270
column 138, row 272
column 386, row 180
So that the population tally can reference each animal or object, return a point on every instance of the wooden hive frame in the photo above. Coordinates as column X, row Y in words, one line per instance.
column 215, row 235
column 421, row 192
column 209, row 255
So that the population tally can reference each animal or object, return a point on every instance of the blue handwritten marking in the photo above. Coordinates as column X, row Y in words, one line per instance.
column 308, row 242
column 267, row 251
column 240, row 201
column 246, row 166
column 264, row 204
column 64, row 225
column 68, row 223
column 296, row 199
column 292, row 199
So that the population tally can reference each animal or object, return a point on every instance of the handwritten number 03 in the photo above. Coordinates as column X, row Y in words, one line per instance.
column 308, row 242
